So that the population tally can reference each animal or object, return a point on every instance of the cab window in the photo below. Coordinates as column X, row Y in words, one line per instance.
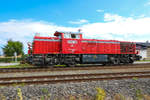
column 66, row 36
column 59, row 36
column 72, row 36
column 77, row 36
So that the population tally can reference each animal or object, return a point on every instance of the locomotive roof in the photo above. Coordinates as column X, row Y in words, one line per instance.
column 144, row 44
column 57, row 33
column 71, row 32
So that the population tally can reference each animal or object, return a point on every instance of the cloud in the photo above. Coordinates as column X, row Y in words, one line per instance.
column 113, row 17
column 127, row 25
column 141, row 16
column 119, row 28
column 82, row 21
column 100, row 10
column 114, row 27
column 147, row 3
column 24, row 30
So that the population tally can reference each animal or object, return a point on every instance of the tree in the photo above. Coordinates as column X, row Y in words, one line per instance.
column 12, row 47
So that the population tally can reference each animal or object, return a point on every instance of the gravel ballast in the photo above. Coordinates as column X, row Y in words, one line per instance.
column 84, row 90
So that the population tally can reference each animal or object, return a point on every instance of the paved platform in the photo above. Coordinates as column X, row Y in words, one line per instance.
column 8, row 64
column 141, row 62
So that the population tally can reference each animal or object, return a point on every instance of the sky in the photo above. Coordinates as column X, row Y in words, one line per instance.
column 125, row 20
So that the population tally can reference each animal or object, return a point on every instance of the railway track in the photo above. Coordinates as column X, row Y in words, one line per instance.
column 51, row 79
column 82, row 67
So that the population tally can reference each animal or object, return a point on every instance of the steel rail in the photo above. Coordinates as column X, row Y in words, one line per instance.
column 71, row 75
column 7, row 70
column 74, row 78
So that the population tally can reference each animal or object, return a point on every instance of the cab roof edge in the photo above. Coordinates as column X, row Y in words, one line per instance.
column 69, row 32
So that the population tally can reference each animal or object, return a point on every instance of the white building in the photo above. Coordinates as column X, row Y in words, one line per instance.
column 144, row 50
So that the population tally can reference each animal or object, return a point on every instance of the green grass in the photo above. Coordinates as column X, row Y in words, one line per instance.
column 60, row 65
column 15, row 62
column 142, row 60
column 17, row 66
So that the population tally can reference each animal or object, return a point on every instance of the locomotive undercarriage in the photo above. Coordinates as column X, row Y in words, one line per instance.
column 56, row 59
column 121, row 59
column 73, row 59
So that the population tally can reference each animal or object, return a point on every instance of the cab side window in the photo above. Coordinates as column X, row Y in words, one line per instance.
column 77, row 36
column 59, row 36
column 72, row 36
column 66, row 36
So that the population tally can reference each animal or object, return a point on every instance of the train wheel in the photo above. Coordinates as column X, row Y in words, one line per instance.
column 126, row 61
column 104, row 64
column 131, row 61
column 71, row 62
column 70, row 65
column 116, row 61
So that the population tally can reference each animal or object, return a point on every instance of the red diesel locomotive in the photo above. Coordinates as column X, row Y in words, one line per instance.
column 70, row 48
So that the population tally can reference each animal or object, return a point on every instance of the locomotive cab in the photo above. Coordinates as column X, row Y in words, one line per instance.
column 70, row 42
